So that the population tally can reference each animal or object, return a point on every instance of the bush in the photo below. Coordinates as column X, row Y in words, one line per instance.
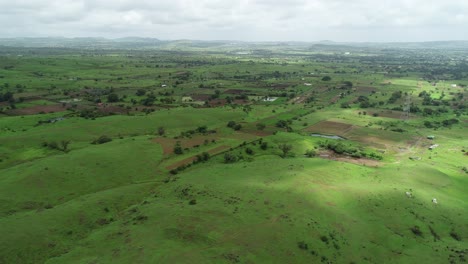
column 285, row 149
column 249, row 151
column 416, row 231
column 311, row 153
column 302, row 245
column 101, row 140
column 178, row 148
column 264, row 145
column 112, row 98
column 455, row 236
column 229, row 158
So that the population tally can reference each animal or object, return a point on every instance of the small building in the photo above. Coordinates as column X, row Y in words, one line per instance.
column 164, row 85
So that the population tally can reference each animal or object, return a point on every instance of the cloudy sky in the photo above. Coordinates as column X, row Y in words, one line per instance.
column 250, row 20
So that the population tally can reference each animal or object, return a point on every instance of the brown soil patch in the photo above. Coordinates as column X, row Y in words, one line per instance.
column 334, row 99
column 38, row 109
column 234, row 91
column 191, row 159
column 366, row 89
column 201, row 97
column 330, row 155
column 222, row 102
column 330, row 127
column 280, row 86
column 389, row 114
column 112, row 109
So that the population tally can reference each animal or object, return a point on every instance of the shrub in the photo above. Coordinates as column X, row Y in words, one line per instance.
column 101, row 140
column 311, row 153
column 249, row 151
column 416, row 231
column 285, row 148
column 302, row 245
column 324, row 239
column 178, row 148
column 455, row 236
column 229, row 158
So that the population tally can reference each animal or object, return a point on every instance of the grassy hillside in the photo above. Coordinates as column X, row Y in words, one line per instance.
column 180, row 157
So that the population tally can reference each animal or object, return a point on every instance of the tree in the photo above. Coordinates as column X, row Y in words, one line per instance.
column 112, row 98
column 231, row 124
column 311, row 153
column 101, row 140
column 140, row 92
column 161, row 131
column 285, row 148
column 64, row 145
column 229, row 158
column 178, row 148
column 326, row 78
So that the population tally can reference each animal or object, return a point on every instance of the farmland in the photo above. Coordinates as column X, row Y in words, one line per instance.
column 179, row 154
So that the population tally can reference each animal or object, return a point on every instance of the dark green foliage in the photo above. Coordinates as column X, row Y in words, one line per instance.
column 178, row 148
column 341, row 148
column 112, row 98
column 101, row 140
column 264, row 145
column 7, row 97
column 416, row 230
column 249, row 151
column 140, row 92
column 302, row 245
column 161, row 131
column 326, row 78
column 324, row 239
column 205, row 156
column 229, row 158
column 395, row 96
column 310, row 153
column 234, row 125
column 62, row 145
column 455, row 235
column 285, row 149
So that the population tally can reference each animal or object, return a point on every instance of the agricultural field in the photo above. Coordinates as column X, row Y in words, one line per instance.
column 233, row 154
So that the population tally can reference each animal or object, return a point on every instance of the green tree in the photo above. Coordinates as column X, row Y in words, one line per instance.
column 178, row 148
column 285, row 149
column 112, row 98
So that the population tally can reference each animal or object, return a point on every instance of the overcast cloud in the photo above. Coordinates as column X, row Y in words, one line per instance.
column 251, row 20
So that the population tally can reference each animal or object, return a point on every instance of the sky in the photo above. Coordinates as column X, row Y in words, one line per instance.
column 246, row 20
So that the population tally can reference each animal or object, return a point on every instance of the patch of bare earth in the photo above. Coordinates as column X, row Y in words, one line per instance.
column 330, row 155
column 38, row 109
column 329, row 127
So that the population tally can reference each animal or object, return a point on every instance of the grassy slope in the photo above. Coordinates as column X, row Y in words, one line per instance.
column 259, row 211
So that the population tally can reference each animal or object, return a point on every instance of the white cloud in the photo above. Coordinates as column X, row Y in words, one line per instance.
column 342, row 20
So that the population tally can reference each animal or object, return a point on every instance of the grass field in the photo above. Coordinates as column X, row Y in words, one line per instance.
column 104, row 159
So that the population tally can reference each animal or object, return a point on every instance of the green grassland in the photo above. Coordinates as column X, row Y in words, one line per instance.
column 101, row 161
